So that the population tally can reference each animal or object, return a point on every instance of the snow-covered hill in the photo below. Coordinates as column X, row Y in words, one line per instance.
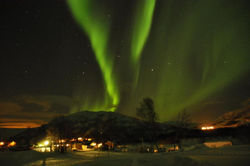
column 100, row 125
column 235, row 118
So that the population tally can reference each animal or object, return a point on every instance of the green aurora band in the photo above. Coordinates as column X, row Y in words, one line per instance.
column 142, row 24
column 97, row 29
column 198, row 50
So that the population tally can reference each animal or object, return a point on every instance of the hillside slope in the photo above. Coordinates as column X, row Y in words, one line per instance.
column 100, row 125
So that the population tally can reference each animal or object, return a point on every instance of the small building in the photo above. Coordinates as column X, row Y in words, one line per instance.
column 218, row 144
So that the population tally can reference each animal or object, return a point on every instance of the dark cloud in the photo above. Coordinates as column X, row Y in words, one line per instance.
column 31, row 107
column 59, row 109
column 32, row 110
column 24, row 117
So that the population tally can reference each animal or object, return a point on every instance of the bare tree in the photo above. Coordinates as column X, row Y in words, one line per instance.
column 184, row 119
column 184, row 123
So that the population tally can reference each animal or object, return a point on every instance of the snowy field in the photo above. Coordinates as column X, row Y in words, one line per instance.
column 227, row 156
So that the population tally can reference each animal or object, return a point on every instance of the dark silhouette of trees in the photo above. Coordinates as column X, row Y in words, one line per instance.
column 183, row 126
column 53, row 133
column 146, row 111
column 184, row 119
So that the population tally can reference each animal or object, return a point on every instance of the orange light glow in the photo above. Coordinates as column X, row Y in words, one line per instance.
column 93, row 144
column 73, row 140
column 13, row 143
column 62, row 141
column 1, row 143
column 207, row 128
column 19, row 125
column 80, row 139
column 99, row 145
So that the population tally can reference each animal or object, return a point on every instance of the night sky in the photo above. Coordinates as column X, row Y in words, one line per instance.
column 58, row 57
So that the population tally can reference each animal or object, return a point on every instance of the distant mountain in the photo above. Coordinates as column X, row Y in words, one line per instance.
column 235, row 118
column 100, row 125
column 122, row 129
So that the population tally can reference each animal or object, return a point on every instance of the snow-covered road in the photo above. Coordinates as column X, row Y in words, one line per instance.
column 236, row 155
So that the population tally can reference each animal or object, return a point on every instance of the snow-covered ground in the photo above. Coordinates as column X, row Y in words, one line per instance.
column 227, row 156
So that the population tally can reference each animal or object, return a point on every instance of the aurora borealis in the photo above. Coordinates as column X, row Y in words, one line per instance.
column 189, row 67
column 141, row 29
column 97, row 28
column 98, row 31
column 108, row 54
